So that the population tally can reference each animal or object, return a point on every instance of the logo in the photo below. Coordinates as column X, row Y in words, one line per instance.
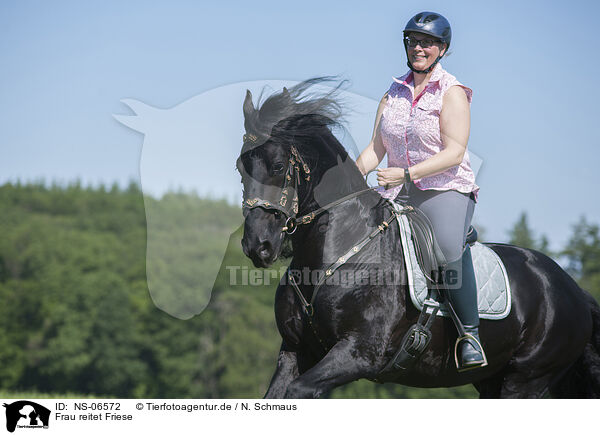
column 26, row 414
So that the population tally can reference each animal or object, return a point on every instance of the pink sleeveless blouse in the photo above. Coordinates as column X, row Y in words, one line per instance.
column 410, row 132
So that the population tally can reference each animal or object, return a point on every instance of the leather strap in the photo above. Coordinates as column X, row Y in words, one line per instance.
column 309, row 217
column 307, row 307
column 352, row 252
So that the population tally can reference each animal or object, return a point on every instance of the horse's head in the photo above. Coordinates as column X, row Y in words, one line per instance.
column 270, row 198
column 277, row 165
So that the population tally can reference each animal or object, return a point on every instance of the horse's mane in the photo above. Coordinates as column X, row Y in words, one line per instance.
column 297, row 112
column 305, row 116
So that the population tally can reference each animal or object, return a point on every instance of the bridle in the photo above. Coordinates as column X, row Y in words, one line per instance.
column 297, row 171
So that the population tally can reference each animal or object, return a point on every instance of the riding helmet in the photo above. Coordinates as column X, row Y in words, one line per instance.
column 429, row 23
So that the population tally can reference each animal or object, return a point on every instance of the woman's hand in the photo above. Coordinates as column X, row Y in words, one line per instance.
column 390, row 177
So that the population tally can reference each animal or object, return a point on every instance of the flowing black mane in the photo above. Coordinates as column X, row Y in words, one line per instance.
column 295, row 112
column 305, row 117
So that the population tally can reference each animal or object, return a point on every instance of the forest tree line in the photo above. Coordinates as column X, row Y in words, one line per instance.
column 76, row 315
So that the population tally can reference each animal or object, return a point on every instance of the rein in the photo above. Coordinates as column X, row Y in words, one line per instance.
column 293, row 222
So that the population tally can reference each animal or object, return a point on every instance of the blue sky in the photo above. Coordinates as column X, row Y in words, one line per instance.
column 532, row 67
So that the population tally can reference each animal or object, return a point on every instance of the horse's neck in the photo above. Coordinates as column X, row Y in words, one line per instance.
column 335, row 176
column 336, row 231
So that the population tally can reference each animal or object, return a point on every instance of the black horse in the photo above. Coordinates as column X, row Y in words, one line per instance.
column 291, row 165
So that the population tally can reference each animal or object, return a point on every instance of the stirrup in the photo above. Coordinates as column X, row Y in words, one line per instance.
column 461, row 368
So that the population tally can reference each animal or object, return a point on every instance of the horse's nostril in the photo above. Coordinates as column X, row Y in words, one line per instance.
column 264, row 250
column 263, row 243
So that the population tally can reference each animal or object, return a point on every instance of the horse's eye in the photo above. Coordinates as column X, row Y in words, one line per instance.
column 254, row 153
column 277, row 214
column 277, row 168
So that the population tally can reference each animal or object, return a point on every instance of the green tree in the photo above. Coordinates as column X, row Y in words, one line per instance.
column 76, row 314
column 522, row 235
column 583, row 255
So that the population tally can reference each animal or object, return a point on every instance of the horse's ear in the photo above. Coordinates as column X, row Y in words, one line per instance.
column 144, row 114
column 248, row 106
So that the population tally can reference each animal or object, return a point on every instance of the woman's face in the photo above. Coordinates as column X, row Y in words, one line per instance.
column 425, row 51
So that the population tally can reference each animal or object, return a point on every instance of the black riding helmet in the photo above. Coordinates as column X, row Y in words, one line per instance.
column 429, row 23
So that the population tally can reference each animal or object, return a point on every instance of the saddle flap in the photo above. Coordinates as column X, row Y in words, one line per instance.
column 429, row 255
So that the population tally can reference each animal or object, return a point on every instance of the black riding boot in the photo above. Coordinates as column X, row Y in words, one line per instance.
column 464, row 301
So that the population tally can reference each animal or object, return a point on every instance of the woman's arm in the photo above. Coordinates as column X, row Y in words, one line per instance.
column 455, row 123
column 374, row 152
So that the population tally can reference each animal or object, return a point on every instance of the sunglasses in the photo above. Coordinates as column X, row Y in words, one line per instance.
column 424, row 43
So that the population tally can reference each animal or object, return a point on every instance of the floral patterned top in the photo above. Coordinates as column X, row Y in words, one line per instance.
column 410, row 132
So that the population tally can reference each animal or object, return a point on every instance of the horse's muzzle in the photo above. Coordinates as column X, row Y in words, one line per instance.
column 262, row 255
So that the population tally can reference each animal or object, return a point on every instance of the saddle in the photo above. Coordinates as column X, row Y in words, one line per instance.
column 429, row 258
column 428, row 253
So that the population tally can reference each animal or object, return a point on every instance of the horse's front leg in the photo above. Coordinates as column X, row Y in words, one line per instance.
column 340, row 366
column 286, row 372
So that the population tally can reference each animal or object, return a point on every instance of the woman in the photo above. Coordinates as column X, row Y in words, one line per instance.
column 423, row 125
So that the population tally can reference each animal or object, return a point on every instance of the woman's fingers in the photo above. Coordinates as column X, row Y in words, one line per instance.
column 383, row 176
column 382, row 179
column 386, row 178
